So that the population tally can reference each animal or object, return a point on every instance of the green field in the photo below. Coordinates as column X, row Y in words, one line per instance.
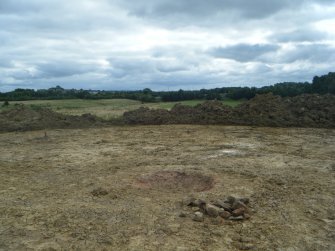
column 105, row 108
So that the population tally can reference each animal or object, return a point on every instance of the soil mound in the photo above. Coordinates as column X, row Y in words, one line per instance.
column 309, row 110
column 175, row 180
column 23, row 118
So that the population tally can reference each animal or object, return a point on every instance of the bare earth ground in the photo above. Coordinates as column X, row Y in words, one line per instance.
column 46, row 185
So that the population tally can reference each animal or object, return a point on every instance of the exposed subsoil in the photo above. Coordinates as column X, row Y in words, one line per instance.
column 81, row 189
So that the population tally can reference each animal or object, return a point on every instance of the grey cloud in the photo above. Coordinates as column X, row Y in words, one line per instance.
column 315, row 53
column 123, row 67
column 256, row 9
column 199, row 8
column 300, row 35
column 243, row 52
column 68, row 42
column 168, row 68
column 19, row 6
column 64, row 68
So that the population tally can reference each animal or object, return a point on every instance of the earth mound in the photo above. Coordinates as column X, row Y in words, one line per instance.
column 308, row 110
column 23, row 118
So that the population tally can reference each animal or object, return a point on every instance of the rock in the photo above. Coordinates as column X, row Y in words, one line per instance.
column 237, row 218
column 195, row 209
column 198, row 216
column 188, row 201
column 230, row 200
column 199, row 203
column 222, row 204
column 238, row 204
column 212, row 210
column 239, row 211
column 225, row 214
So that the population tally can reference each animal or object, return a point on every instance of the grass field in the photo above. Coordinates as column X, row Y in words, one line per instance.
column 105, row 108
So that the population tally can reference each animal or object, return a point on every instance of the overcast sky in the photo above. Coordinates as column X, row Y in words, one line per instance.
column 164, row 44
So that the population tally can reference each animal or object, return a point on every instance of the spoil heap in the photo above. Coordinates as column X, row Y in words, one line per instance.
column 23, row 118
column 309, row 110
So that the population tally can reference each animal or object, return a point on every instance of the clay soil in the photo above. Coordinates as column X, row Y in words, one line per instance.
column 110, row 188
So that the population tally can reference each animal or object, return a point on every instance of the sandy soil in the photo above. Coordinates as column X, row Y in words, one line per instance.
column 46, row 185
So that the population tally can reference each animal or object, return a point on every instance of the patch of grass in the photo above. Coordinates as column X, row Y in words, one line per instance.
column 105, row 108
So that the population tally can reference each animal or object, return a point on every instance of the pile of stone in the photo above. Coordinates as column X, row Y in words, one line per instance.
column 231, row 208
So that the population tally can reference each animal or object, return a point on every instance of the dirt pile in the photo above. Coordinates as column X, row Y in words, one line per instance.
column 302, row 111
column 264, row 110
column 309, row 110
column 23, row 118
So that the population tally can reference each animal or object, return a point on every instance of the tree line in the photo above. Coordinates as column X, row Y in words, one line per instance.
column 320, row 84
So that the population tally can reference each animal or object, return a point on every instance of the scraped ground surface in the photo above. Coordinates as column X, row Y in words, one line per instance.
column 46, row 184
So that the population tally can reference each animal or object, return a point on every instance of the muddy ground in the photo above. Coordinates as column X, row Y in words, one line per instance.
column 83, row 189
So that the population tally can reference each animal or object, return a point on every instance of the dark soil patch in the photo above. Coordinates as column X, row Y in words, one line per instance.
column 264, row 110
column 309, row 110
column 23, row 118
column 176, row 180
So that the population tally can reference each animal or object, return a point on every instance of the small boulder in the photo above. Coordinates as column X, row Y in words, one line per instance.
column 222, row 204
column 212, row 210
column 198, row 216
column 225, row 214
column 239, row 211
column 188, row 201
column 199, row 203
column 238, row 204
column 230, row 200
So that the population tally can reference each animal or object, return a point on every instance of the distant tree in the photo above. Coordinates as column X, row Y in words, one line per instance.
column 6, row 103
column 324, row 84
column 147, row 91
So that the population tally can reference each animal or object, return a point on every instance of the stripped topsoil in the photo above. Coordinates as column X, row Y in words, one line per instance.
column 264, row 110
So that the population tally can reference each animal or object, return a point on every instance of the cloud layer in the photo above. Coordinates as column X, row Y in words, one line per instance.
column 163, row 44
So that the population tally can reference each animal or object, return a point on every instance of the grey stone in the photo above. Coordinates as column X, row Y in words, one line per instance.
column 198, row 216
column 188, row 201
column 230, row 200
column 212, row 210
column 238, row 218
column 225, row 214
column 238, row 204
column 222, row 204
